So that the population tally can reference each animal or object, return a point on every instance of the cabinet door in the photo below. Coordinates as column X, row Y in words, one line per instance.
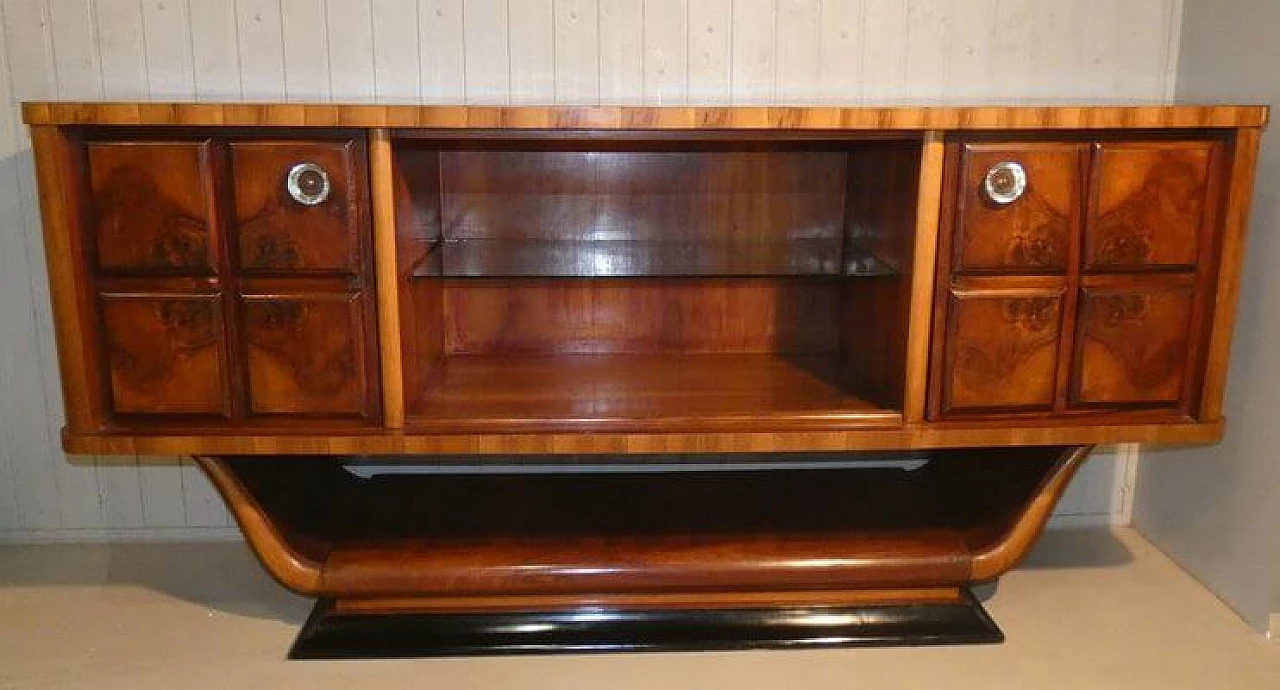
column 151, row 206
column 307, row 354
column 311, row 221
column 1001, row 349
column 1132, row 342
column 1031, row 234
column 165, row 353
column 1148, row 205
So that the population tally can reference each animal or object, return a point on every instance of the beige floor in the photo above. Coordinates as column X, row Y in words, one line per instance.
column 1091, row 610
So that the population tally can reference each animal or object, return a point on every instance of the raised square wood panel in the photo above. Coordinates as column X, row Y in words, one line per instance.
column 1133, row 342
column 1002, row 348
column 166, row 353
column 275, row 233
column 151, row 206
column 1148, row 204
column 306, row 354
column 1032, row 234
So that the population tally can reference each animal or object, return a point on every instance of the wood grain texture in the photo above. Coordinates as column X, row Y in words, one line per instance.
column 1133, row 342
column 1032, row 234
column 1001, row 347
column 1148, row 205
column 276, row 233
column 1082, row 430
column 670, row 392
column 921, row 320
column 1226, row 293
column 652, row 315
column 166, row 354
column 152, row 206
column 306, row 354
column 60, row 194
column 387, row 274
column 643, row 117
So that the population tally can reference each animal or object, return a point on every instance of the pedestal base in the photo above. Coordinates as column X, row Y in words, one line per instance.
column 332, row 634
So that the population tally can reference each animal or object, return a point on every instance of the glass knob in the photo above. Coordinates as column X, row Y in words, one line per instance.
column 308, row 184
column 1005, row 182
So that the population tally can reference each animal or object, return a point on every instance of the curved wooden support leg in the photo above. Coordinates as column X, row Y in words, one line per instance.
column 993, row 559
column 292, row 565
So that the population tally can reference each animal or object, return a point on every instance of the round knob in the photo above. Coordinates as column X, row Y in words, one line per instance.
column 308, row 184
column 1005, row 182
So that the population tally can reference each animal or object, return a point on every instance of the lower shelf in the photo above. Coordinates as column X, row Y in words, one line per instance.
column 864, row 552
column 330, row 633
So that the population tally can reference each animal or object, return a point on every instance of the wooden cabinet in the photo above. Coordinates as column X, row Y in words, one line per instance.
column 1132, row 306
column 984, row 293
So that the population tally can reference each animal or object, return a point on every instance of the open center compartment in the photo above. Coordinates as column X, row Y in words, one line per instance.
column 723, row 281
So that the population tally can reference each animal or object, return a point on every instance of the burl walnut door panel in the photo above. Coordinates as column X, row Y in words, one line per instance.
column 151, row 206
column 1133, row 342
column 1002, row 347
column 165, row 354
column 1032, row 234
column 275, row 232
column 307, row 354
column 1148, row 205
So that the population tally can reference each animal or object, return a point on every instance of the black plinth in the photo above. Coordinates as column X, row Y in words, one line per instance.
column 331, row 635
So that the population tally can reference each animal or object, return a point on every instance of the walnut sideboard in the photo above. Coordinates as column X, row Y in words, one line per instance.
column 867, row 346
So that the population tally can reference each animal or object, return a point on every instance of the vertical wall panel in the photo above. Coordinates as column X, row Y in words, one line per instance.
column 396, row 72
column 621, row 51
column 577, row 51
column 486, row 51
column 533, row 51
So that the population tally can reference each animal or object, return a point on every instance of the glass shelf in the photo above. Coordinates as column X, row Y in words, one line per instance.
column 514, row 258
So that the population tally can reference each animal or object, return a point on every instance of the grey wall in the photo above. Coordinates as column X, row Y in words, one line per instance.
column 1216, row 510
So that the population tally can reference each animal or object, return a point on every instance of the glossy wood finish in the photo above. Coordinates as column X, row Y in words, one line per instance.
column 317, row 439
column 274, row 232
column 645, row 117
column 166, row 354
column 1133, row 341
column 547, row 535
column 1032, row 234
column 1148, row 205
column 151, row 206
column 306, row 354
column 386, row 270
column 1120, row 341
column 654, row 393
column 1001, row 347
column 1226, row 282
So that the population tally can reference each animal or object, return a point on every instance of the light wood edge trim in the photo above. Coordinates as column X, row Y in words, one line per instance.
column 677, row 600
column 66, row 277
column 643, row 117
column 381, row 177
column 391, row 443
column 923, row 276
column 1011, row 548
column 1235, row 227
column 289, row 567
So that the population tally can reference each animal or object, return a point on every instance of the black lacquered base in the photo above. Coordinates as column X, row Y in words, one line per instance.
column 331, row 635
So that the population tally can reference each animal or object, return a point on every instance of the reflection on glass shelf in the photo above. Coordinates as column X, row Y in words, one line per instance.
column 629, row 258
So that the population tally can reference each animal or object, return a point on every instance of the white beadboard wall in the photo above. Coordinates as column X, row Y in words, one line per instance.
column 489, row 51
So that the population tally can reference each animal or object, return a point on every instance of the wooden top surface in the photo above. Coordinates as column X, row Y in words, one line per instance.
column 646, row 117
